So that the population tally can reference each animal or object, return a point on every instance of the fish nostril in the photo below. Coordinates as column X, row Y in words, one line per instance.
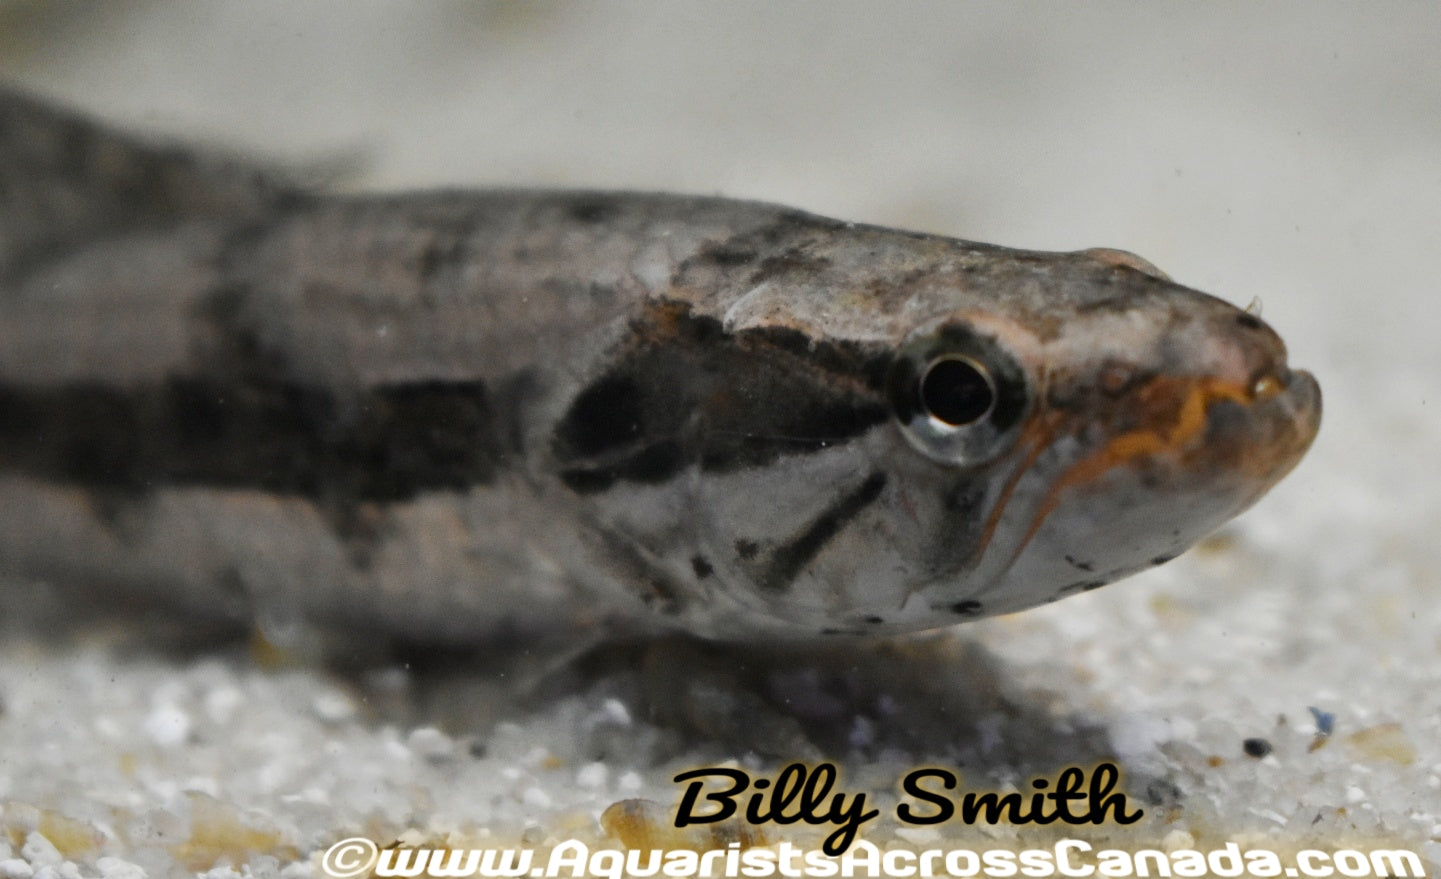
column 1269, row 384
column 1266, row 387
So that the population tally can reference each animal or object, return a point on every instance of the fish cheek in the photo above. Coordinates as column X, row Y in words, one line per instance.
column 1110, row 528
column 962, row 504
column 809, row 540
column 942, row 516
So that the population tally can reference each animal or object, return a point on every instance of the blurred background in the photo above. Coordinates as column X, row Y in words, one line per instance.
column 1286, row 152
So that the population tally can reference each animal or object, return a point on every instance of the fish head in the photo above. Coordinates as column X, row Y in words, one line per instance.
column 887, row 432
column 1097, row 423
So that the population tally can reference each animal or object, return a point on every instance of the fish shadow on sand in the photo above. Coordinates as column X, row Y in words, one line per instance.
column 930, row 700
column 939, row 699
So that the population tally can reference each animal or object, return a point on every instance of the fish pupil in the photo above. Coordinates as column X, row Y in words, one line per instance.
column 957, row 392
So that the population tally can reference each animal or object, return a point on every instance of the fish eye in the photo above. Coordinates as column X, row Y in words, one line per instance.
column 957, row 391
column 958, row 395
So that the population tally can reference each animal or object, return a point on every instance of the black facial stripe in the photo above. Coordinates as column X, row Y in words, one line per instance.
column 789, row 559
column 684, row 392
column 390, row 443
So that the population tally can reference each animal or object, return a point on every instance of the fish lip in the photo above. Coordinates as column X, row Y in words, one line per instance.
column 1206, row 430
column 1270, row 441
column 1303, row 396
column 1307, row 381
column 1294, row 409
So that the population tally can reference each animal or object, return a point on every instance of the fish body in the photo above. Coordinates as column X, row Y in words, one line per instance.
column 455, row 414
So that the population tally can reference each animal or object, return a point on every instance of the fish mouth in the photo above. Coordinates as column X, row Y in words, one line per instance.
column 1283, row 421
column 1200, row 435
column 1209, row 432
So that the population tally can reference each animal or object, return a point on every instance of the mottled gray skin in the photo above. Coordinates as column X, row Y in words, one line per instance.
column 457, row 414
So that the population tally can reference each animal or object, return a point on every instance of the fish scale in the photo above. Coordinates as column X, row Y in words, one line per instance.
column 457, row 414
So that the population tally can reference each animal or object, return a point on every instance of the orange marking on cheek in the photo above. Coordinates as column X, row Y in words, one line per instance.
column 1038, row 435
column 1190, row 421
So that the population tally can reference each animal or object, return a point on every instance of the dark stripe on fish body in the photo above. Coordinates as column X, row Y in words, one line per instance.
column 390, row 443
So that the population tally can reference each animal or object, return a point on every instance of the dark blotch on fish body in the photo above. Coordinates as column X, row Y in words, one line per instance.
column 683, row 391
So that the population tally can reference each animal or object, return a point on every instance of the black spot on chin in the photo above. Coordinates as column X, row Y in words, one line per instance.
column 747, row 549
column 966, row 608
column 1079, row 587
